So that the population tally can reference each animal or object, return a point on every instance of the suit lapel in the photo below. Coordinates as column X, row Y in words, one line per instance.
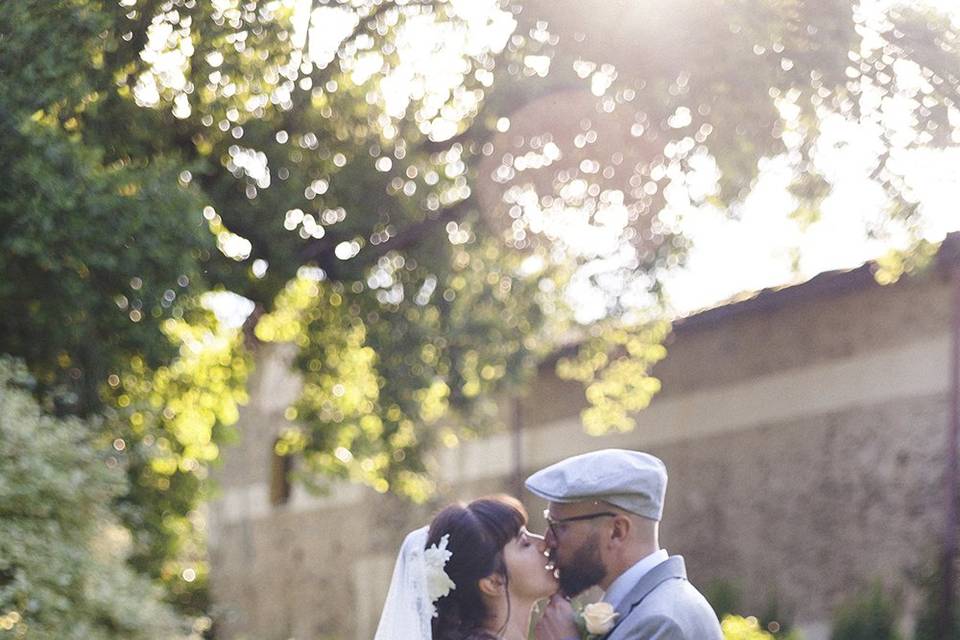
column 671, row 568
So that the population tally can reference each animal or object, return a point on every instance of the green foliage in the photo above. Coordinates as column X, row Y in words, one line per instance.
column 98, row 299
column 352, row 162
column 102, row 237
column 170, row 422
column 102, row 256
column 724, row 596
column 62, row 570
column 929, row 624
column 894, row 264
column 378, row 377
column 869, row 615
column 739, row 628
column 614, row 367
column 776, row 621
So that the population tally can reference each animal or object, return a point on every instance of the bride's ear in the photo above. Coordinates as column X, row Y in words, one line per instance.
column 493, row 585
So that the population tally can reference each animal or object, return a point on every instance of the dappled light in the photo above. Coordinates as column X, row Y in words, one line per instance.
column 413, row 157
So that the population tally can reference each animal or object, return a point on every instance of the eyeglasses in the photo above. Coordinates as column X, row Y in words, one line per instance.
column 557, row 526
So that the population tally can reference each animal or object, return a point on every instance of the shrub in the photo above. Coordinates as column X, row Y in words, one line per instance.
column 740, row 628
column 869, row 615
column 776, row 620
column 62, row 571
column 724, row 596
column 929, row 625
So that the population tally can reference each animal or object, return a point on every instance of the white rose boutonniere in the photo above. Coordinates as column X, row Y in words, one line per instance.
column 439, row 583
column 598, row 618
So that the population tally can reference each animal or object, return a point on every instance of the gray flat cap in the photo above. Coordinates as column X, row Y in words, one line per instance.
column 632, row 480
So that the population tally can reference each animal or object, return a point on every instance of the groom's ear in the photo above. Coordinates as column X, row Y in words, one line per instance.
column 621, row 529
column 492, row 585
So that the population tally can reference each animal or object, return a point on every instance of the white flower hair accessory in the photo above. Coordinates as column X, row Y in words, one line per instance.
column 439, row 584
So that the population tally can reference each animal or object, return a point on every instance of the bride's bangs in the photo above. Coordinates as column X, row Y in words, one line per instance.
column 503, row 517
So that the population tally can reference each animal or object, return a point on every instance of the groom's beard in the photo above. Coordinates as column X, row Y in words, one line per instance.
column 582, row 571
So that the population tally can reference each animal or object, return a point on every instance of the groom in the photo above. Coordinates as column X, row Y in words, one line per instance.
column 603, row 519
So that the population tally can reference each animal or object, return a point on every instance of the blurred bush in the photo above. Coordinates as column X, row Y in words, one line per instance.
column 63, row 573
column 867, row 615
column 725, row 597
column 929, row 624
column 739, row 628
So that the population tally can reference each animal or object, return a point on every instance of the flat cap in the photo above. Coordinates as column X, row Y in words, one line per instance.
column 632, row 480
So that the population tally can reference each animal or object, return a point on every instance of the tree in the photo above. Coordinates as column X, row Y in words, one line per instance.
column 102, row 251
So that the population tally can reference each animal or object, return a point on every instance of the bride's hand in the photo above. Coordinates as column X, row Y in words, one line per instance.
column 557, row 622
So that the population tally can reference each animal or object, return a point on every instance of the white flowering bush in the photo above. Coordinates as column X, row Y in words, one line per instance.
column 62, row 569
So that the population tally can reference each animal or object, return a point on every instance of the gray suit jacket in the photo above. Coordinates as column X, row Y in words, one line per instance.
column 663, row 605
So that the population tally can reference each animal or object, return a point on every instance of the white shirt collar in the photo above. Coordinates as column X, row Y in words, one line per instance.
column 625, row 581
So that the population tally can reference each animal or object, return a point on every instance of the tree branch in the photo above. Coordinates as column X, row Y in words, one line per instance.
column 320, row 252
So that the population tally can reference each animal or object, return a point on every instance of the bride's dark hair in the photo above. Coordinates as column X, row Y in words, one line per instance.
column 478, row 532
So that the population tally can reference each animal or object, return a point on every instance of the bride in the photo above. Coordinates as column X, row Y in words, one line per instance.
column 474, row 574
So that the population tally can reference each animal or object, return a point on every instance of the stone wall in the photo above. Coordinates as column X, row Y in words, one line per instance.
column 803, row 432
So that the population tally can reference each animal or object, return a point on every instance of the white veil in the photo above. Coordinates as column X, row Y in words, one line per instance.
column 408, row 610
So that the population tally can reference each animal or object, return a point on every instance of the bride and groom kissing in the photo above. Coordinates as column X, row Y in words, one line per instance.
column 476, row 572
